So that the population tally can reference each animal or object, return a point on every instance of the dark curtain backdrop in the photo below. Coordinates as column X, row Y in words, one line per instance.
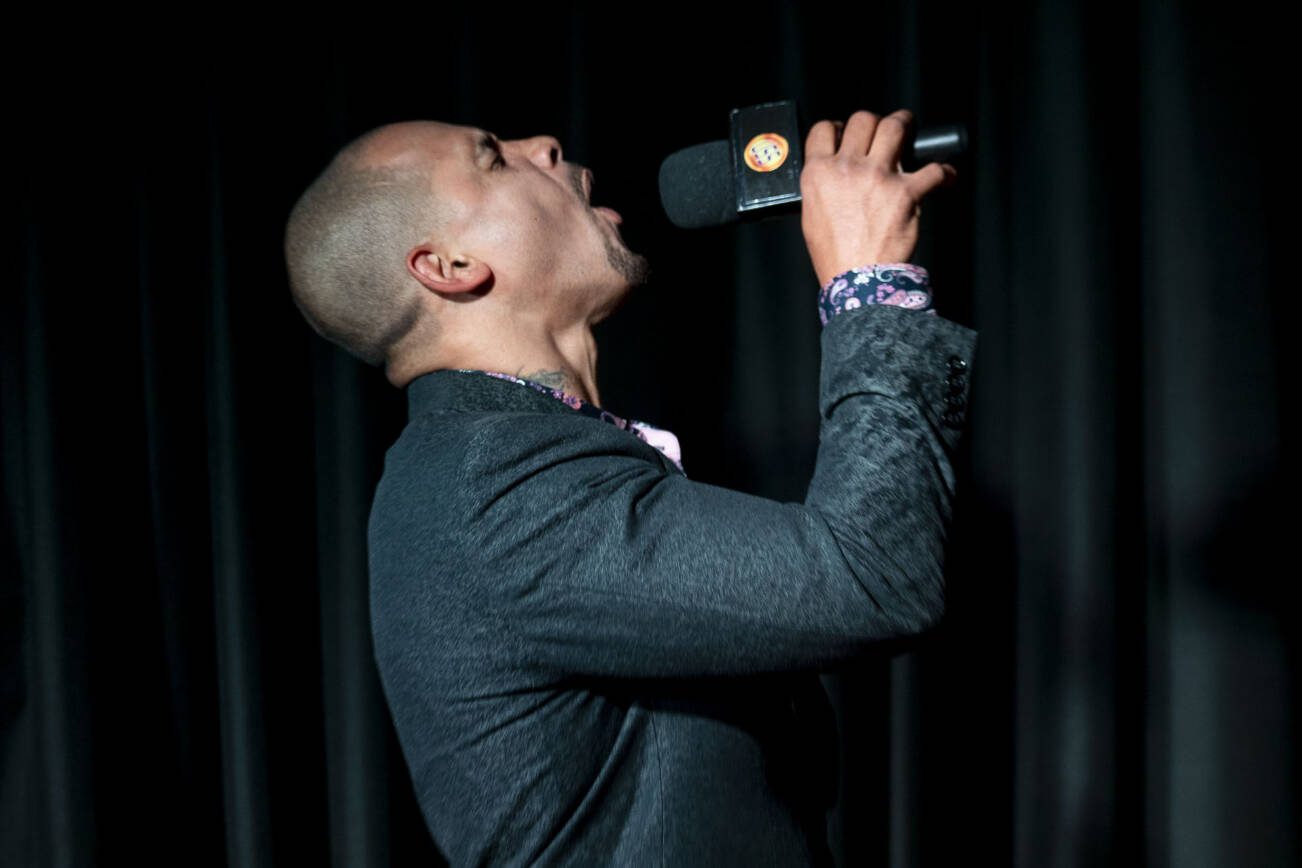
column 187, row 468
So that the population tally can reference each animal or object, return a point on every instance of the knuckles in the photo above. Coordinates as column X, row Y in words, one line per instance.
column 836, row 171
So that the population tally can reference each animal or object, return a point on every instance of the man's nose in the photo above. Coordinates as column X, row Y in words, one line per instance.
column 544, row 151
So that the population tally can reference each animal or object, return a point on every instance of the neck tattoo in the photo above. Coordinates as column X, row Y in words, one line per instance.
column 555, row 379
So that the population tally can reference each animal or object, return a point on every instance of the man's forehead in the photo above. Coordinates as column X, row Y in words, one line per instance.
column 421, row 141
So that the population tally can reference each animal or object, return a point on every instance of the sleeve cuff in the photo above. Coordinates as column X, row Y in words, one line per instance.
column 898, row 283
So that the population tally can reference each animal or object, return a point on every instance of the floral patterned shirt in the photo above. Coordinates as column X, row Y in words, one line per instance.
column 898, row 283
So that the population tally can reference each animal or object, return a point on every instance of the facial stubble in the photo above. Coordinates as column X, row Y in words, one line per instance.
column 633, row 267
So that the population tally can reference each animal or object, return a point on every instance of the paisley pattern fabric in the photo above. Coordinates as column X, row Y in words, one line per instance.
column 897, row 283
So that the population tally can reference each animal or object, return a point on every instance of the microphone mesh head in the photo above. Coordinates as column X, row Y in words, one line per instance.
column 696, row 188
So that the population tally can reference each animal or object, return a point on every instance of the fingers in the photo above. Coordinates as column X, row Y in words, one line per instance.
column 888, row 139
column 858, row 133
column 931, row 176
column 864, row 134
column 880, row 143
column 822, row 139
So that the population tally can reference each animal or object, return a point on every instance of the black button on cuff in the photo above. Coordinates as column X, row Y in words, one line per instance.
column 956, row 379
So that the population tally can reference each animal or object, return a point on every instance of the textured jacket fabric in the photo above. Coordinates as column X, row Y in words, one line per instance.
column 592, row 659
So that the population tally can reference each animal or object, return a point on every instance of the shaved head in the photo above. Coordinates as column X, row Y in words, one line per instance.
column 347, row 238
column 426, row 245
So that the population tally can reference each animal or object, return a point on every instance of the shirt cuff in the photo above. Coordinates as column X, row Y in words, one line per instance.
column 898, row 283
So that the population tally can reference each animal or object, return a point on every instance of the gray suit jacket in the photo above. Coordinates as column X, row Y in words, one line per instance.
column 592, row 659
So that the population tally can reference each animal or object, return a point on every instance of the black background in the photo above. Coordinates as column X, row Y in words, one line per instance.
column 187, row 467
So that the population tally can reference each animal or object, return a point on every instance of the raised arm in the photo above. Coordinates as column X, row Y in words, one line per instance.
column 599, row 561
column 563, row 546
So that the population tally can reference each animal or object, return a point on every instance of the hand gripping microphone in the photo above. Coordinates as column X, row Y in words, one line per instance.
column 755, row 172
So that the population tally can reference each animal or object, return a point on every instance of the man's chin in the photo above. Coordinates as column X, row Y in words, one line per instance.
column 638, row 270
column 632, row 267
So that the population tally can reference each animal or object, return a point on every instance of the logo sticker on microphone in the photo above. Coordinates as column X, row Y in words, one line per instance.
column 766, row 152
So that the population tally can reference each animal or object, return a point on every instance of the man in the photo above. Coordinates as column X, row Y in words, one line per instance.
column 591, row 658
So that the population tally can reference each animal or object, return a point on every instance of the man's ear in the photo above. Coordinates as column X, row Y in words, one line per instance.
column 447, row 274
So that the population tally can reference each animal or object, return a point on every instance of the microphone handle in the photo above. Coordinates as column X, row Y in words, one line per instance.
column 938, row 144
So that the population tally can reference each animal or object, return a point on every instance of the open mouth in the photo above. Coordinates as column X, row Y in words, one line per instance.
column 609, row 213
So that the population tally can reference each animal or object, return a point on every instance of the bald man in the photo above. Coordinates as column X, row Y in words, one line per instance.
column 589, row 657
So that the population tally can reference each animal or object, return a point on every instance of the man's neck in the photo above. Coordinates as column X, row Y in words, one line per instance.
column 565, row 360
column 559, row 378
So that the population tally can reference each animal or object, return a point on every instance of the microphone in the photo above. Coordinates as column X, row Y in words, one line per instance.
column 755, row 172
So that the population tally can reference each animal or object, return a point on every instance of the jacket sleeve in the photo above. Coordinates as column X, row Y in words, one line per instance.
column 595, row 559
